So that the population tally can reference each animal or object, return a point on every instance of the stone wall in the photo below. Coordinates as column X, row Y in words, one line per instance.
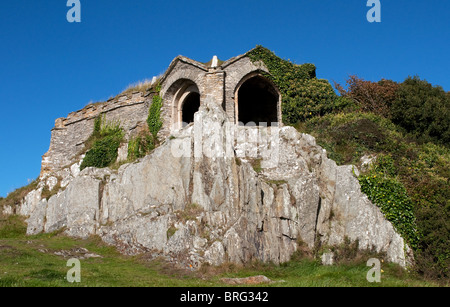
column 70, row 133
column 237, row 69
column 216, row 85
column 182, row 73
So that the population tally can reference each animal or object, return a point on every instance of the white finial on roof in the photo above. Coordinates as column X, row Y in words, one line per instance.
column 215, row 61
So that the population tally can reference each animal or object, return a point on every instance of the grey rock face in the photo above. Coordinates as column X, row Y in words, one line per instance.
column 198, row 199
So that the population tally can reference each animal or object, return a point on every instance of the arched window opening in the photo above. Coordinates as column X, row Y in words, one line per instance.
column 190, row 106
column 183, row 97
column 257, row 101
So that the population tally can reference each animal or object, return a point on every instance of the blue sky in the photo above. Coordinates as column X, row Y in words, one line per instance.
column 50, row 67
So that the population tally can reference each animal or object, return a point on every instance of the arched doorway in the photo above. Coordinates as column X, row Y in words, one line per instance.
column 258, row 101
column 184, row 97
column 189, row 106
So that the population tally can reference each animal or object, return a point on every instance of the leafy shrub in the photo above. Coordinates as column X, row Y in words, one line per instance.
column 423, row 110
column 423, row 218
column 376, row 97
column 139, row 146
column 303, row 95
column 349, row 136
column 103, row 153
column 142, row 144
column 414, row 177
column 315, row 98
column 433, row 255
column 281, row 70
column 106, row 139
column 97, row 126
column 109, row 128
column 426, row 177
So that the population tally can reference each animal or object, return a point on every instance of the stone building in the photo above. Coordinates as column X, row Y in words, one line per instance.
column 238, row 85
column 194, row 209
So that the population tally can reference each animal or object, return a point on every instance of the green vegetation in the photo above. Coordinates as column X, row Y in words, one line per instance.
column 409, row 179
column 105, row 139
column 423, row 110
column 154, row 115
column 256, row 164
column 277, row 182
column 347, row 136
column 303, row 95
column 140, row 146
column 171, row 231
column 190, row 212
column 30, row 261
column 141, row 86
column 144, row 143
column 385, row 190
column 47, row 193
column 14, row 198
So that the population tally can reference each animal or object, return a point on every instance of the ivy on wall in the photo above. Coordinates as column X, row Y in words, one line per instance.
column 303, row 95
column 142, row 144
column 154, row 115
column 389, row 194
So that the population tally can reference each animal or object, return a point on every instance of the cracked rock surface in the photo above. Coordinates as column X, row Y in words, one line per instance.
column 194, row 200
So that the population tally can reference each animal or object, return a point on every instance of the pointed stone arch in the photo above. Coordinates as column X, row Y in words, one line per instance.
column 258, row 100
column 188, row 106
column 184, row 98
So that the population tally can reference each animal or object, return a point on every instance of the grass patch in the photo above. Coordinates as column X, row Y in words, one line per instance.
column 256, row 164
column 15, row 198
column 30, row 261
column 140, row 146
column 12, row 226
column 277, row 182
column 141, row 86
column 171, row 231
column 190, row 213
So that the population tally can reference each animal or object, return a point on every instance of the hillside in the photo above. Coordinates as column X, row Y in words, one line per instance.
column 40, row 261
column 195, row 209
column 410, row 177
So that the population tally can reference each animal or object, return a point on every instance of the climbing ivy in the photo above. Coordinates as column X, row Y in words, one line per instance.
column 303, row 95
column 390, row 195
column 154, row 115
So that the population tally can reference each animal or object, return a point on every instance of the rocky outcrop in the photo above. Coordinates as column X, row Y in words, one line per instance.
column 214, row 192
